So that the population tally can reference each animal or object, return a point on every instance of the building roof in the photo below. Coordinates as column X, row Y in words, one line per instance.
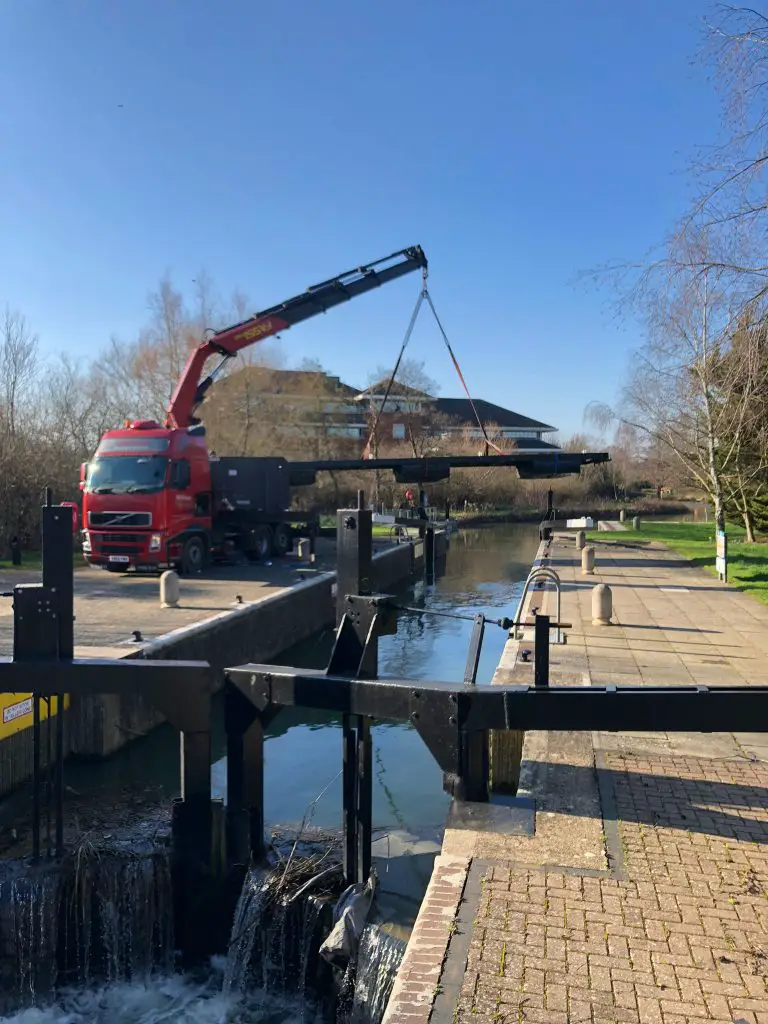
column 460, row 409
column 403, row 390
column 292, row 382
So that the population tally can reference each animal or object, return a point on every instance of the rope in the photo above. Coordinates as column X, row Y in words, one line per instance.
column 424, row 294
column 414, row 316
column 502, row 623
column 488, row 441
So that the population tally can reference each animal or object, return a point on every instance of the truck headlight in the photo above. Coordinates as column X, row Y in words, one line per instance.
column 155, row 542
column 86, row 541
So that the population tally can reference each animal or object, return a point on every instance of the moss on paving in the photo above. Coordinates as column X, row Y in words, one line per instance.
column 747, row 563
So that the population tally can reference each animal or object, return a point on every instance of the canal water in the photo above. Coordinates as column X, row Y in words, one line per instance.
column 484, row 572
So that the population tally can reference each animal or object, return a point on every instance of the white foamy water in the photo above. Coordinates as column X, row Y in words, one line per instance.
column 163, row 1000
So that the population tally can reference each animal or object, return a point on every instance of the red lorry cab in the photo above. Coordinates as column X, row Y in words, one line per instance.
column 147, row 499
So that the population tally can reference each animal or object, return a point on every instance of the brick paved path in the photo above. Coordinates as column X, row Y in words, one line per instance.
column 678, row 934
column 643, row 896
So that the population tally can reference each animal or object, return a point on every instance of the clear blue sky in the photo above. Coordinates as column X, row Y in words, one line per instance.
column 276, row 144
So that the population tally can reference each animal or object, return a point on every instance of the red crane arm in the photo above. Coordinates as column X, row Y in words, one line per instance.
column 226, row 343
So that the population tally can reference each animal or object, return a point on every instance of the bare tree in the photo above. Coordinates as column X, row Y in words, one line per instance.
column 677, row 393
column 19, row 360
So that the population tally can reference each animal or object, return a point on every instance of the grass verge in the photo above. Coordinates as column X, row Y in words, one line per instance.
column 747, row 563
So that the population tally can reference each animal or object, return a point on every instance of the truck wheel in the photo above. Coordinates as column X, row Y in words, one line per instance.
column 283, row 541
column 261, row 547
column 193, row 556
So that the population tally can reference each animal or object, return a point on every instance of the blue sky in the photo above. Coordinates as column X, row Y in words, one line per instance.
column 277, row 144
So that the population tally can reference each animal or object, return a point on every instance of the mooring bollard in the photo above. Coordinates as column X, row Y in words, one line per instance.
column 588, row 561
column 622, row 516
column 169, row 589
column 581, row 540
column 602, row 605
column 636, row 523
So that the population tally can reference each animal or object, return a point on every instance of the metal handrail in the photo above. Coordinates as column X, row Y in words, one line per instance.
column 540, row 572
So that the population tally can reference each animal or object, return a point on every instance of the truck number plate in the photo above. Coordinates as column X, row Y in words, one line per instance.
column 119, row 558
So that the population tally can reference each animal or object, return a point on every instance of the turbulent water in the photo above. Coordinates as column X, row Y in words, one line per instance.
column 100, row 938
column 165, row 999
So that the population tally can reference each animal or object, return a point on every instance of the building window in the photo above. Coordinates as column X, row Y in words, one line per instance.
column 398, row 431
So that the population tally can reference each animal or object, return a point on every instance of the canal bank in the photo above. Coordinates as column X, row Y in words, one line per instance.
column 641, row 893
column 236, row 615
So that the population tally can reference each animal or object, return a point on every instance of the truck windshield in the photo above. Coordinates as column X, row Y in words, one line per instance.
column 126, row 474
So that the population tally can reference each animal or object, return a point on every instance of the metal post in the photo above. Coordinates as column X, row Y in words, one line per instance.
column 429, row 553
column 550, row 504
column 364, row 797
column 245, row 779
column 475, row 648
column 472, row 783
column 350, row 806
column 58, row 576
column 35, row 777
column 354, row 540
column 541, row 651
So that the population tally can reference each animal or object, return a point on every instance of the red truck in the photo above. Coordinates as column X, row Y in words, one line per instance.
column 153, row 495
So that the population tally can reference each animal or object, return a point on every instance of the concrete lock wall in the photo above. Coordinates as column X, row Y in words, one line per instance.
column 98, row 726
column 257, row 632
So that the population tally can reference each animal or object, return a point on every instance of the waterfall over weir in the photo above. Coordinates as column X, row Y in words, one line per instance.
column 91, row 940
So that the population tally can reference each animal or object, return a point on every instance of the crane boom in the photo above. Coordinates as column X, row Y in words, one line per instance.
column 226, row 343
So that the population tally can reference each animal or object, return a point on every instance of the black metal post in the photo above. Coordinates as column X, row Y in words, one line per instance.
column 472, row 782
column 36, row 780
column 550, row 504
column 245, row 779
column 475, row 649
column 541, row 651
column 349, row 797
column 364, row 797
column 354, row 540
column 58, row 576
column 429, row 553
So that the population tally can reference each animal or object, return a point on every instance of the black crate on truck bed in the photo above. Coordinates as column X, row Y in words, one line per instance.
column 256, row 484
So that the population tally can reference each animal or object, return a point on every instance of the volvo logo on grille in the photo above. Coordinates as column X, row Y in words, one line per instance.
column 120, row 519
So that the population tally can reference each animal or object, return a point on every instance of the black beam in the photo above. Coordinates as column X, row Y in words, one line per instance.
column 103, row 675
column 610, row 708
column 530, row 463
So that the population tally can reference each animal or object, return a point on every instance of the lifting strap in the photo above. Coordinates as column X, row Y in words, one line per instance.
column 414, row 316
column 424, row 294
column 488, row 442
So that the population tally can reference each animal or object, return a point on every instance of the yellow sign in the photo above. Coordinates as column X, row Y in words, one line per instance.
column 257, row 331
column 16, row 709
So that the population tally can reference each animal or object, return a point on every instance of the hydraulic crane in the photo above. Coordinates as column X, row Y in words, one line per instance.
column 226, row 343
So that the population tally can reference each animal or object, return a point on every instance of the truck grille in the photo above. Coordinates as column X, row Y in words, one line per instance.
column 114, row 549
column 120, row 519
column 117, row 538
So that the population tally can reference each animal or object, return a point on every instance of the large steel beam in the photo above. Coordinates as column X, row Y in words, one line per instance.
column 609, row 708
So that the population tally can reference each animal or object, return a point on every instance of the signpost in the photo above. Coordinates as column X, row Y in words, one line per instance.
column 721, row 556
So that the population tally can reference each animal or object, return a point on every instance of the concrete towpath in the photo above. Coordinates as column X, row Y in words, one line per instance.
column 642, row 896
column 109, row 607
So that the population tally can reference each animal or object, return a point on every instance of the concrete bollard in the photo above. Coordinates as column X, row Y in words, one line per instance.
column 169, row 589
column 622, row 516
column 588, row 561
column 636, row 523
column 303, row 549
column 602, row 605
column 581, row 540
